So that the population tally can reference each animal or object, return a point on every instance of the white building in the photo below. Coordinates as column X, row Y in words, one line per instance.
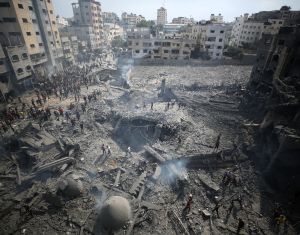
column 183, row 20
column 216, row 18
column 162, row 17
column 113, row 31
column 248, row 31
column 211, row 38
column 273, row 26
column 88, row 18
column 160, row 48
column 131, row 20
column 61, row 22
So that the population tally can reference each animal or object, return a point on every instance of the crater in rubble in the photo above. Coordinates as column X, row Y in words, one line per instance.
column 115, row 213
column 139, row 131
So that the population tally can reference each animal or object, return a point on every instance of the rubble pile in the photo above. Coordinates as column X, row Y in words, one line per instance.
column 161, row 155
column 272, row 105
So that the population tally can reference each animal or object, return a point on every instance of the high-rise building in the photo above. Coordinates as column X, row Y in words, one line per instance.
column 162, row 17
column 88, row 19
column 29, row 37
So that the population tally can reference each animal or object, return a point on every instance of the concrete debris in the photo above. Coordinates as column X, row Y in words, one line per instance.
column 205, row 179
column 115, row 213
column 114, row 147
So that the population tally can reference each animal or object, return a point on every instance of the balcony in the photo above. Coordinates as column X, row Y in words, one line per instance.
column 38, row 59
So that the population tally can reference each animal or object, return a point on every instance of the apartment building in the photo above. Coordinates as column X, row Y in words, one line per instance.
column 183, row 20
column 216, row 18
column 210, row 37
column 61, row 22
column 160, row 48
column 131, row 20
column 29, row 37
column 249, row 30
column 110, row 17
column 113, row 31
column 88, row 20
column 162, row 16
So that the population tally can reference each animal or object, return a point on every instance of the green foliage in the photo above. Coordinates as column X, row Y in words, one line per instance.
column 118, row 42
column 145, row 24
column 233, row 52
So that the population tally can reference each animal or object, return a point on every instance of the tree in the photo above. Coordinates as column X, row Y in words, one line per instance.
column 285, row 8
column 145, row 24
column 118, row 42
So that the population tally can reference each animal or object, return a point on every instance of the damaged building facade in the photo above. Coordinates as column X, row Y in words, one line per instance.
column 30, row 40
column 274, row 88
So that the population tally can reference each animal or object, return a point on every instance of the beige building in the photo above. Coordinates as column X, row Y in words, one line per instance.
column 162, row 16
column 159, row 48
column 87, row 15
column 28, row 31
column 131, row 20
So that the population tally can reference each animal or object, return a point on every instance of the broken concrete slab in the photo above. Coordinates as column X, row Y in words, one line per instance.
column 207, row 181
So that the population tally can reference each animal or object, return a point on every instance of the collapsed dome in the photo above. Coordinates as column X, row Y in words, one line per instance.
column 115, row 213
column 70, row 187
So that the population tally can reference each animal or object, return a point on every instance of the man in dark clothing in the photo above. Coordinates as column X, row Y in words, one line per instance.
column 81, row 126
column 217, row 144
column 241, row 225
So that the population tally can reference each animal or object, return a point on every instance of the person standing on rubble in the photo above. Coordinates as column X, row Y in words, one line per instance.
column 103, row 149
column 217, row 144
column 81, row 126
column 188, row 203
column 241, row 225
column 108, row 150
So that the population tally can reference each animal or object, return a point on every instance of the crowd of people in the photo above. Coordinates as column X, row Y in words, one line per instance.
column 62, row 85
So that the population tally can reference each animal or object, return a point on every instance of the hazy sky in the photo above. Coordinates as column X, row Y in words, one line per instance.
column 198, row 9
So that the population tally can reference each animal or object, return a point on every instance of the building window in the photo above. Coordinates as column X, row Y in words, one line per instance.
column 212, row 31
column 24, row 56
column 51, row 12
column 145, row 51
column 48, row 1
column 166, row 51
column 34, row 21
column 220, row 39
column 30, row 8
column 20, row 71
column 57, row 42
column 219, row 47
column 49, row 33
column 47, row 22
column 37, row 33
column 279, row 22
column 28, row 68
column 222, row 31
column 53, row 22
column 20, row 6
column 175, row 51
column 4, row 4
column 32, row 45
column 15, row 58
column 41, row 44
column 44, row 10
column 217, row 54
column 9, row 19
column 137, row 51
column 24, row 20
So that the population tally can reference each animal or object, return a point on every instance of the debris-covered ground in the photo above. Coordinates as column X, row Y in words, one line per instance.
column 173, row 144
